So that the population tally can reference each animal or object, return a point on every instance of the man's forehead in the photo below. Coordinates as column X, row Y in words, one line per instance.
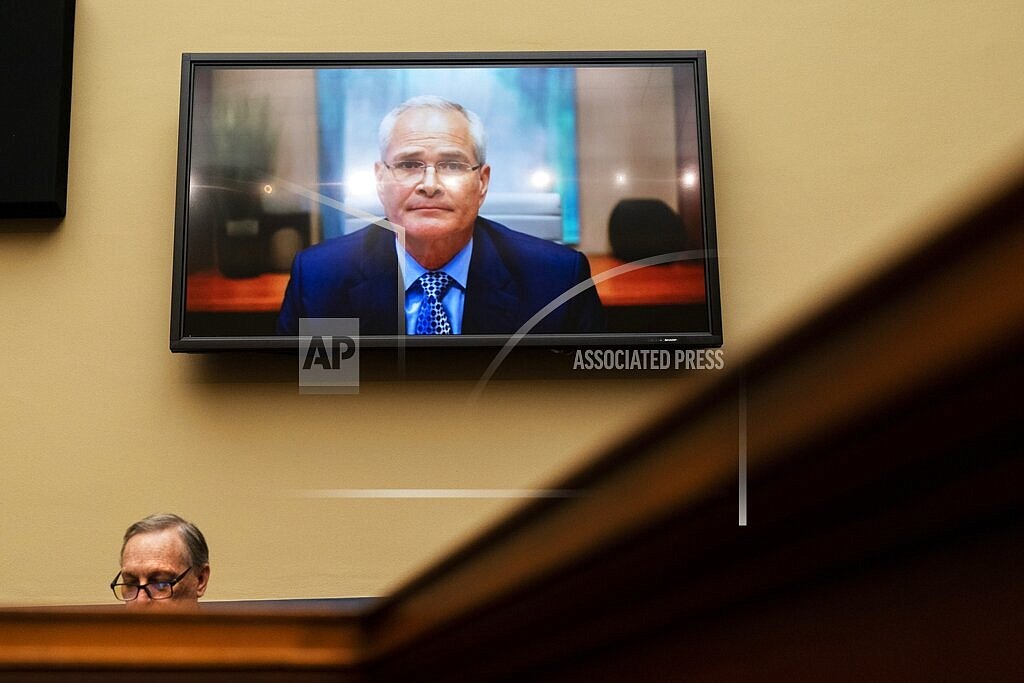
column 414, row 151
column 156, row 548
column 430, row 129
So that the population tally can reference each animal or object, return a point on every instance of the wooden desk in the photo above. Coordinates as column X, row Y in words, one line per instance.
column 211, row 292
column 672, row 283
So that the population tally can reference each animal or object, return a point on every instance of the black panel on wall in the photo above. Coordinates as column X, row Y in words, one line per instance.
column 36, row 39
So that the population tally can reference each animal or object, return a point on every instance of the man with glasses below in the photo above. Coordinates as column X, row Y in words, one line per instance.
column 165, row 565
column 460, row 273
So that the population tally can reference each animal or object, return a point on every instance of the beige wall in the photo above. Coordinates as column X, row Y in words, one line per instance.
column 841, row 133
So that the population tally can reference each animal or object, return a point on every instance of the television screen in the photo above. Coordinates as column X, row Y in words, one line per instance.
column 451, row 199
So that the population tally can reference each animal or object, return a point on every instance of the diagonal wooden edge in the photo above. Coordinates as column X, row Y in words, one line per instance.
column 930, row 316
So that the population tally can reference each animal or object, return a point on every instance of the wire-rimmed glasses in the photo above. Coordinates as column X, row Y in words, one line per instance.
column 413, row 170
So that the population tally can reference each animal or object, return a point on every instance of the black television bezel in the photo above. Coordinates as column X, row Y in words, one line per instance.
column 709, row 339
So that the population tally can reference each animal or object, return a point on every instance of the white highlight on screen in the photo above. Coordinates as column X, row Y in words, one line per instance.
column 621, row 178
column 542, row 179
column 689, row 179
column 360, row 184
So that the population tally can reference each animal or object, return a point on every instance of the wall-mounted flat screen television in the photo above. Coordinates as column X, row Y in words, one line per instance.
column 36, row 54
column 446, row 200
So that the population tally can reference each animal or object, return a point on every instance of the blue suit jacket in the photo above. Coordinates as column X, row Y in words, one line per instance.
column 511, row 277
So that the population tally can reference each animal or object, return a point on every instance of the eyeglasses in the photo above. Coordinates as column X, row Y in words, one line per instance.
column 412, row 171
column 156, row 590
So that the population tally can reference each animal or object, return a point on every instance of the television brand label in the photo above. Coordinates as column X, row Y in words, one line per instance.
column 328, row 355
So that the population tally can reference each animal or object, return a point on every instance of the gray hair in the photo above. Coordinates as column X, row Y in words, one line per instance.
column 195, row 544
column 435, row 103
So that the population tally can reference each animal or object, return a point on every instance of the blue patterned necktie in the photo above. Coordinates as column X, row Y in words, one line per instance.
column 432, row 318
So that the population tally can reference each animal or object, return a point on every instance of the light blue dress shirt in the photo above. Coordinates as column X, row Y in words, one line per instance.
column 454, row 300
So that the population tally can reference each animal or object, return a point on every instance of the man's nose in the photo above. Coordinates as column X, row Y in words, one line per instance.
column 141, row 602
column 428, row 183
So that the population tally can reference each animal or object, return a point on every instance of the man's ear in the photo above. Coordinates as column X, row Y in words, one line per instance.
column 203, row 578
column 485, row 181
column 379, row 169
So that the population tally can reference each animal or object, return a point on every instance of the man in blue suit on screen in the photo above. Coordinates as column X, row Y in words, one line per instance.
column 456, row 273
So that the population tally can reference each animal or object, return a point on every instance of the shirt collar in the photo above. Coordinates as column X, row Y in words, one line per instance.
column 457, row 269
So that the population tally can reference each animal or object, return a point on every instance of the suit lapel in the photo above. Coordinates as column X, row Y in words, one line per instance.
column 375, row 299
column 492, row 295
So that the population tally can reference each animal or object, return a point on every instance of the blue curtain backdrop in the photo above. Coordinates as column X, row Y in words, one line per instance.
column 529, row 115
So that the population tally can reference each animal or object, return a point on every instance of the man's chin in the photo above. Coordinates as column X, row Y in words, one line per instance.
column 423, row 228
